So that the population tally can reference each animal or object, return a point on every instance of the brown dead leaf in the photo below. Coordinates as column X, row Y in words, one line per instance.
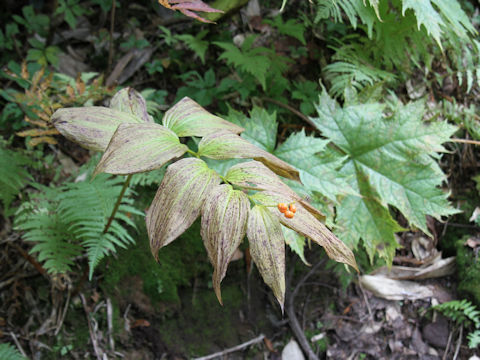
column 42, row 139
column 189, row 8
column 269, row 344
column 140, row 323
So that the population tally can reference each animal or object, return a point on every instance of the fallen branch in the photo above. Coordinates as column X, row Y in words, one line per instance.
column 233, row 349
column 96, row 348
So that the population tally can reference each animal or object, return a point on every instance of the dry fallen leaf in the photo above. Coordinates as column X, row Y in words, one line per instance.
column 189, row 8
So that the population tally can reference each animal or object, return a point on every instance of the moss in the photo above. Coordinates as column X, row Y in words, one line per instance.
column 179, row 262
column 468, row 270
column 203, row 322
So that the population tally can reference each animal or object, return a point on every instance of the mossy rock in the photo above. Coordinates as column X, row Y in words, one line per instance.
column 468, row 269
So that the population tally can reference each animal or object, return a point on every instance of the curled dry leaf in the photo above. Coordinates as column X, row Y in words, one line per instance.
column 267, row 248
column 187, row 118
column 224, row 223
column 188, row 8
column 137, row 148
column 130, row 101
column 307, row 225
column 225, row 145
column 92, row 127
column 178, row 201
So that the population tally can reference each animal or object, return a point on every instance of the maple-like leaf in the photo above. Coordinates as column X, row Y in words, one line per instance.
column 189, row 8
column 388, row 162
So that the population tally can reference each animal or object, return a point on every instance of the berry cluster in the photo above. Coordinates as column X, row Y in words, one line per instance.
column 288, row 210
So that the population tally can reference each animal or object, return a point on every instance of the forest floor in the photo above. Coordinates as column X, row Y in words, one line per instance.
column 126, row 312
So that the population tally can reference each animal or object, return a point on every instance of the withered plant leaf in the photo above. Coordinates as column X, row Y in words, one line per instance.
column 225, row 145
column 267, row 248
column 188, row 8
column 224, row 223
column 178, row 201
column 307, row 225
column 138, row 148
column 92, row 127
column 187, row 118
column 130, row 101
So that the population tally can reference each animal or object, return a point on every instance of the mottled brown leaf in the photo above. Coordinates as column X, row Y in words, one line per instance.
column 187, row 118
column 130, row 101
column 224, row 223
column 267, row 247
column 188, row 8
column 178, row 201
column 137, row 148
column 307, row 225
column 225, row 145
column 92, row 126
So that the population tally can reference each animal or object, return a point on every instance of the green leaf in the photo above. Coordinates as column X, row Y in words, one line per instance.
column 196, row 43
column 364, row 216
column 137, row 148
column 290, row 28
column 307, row 225
column 295, row 242
column 9, row 352
column 260, row 128
column 178, row 201
column 224, row 224
column 130, row 101
column 253, row 61
column 225, row 145
column 92, row 126
column 317, row 172
column 187, row 118
column 267, row 247
column 390, row 159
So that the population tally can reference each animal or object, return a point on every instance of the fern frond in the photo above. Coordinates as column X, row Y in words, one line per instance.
column 8, row 352
column 473, row 339
column 13, row 176
column 61, row 221
column 461, row 312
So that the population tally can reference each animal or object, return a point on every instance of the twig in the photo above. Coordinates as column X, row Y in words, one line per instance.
column 365, row 298
column 112, row 28
column 290, row 310
column 465, row 141
column 97, row 350
column 459, row 342
column 30, row 259
column 291, row 109
column 233, row 349
column 14, row 337
column 110, row 324
column 64, row 313
column 447, row 348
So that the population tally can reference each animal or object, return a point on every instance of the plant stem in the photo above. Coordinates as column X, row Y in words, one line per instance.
column 117, row 204
column 465, row 141
column 191, row 152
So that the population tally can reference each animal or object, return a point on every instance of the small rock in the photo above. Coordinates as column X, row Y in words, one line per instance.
column 436, row 333
column 292, row 351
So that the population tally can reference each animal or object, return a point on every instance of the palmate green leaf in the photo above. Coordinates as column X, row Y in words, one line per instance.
column 187, row 118
column 267, row 248
column 92, row 126
column 9, row 352
column 449, row 15
column 317, row 172
column 225, row 145
column 130, row 101
column 260, row 127
column 138, row 148
column 224, row 224
column 307, row 225
column 391, row 159
column 178, row 201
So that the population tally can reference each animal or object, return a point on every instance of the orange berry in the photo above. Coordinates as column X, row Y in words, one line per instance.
column 292, row 208
column 289, row 214
column 282, row 207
